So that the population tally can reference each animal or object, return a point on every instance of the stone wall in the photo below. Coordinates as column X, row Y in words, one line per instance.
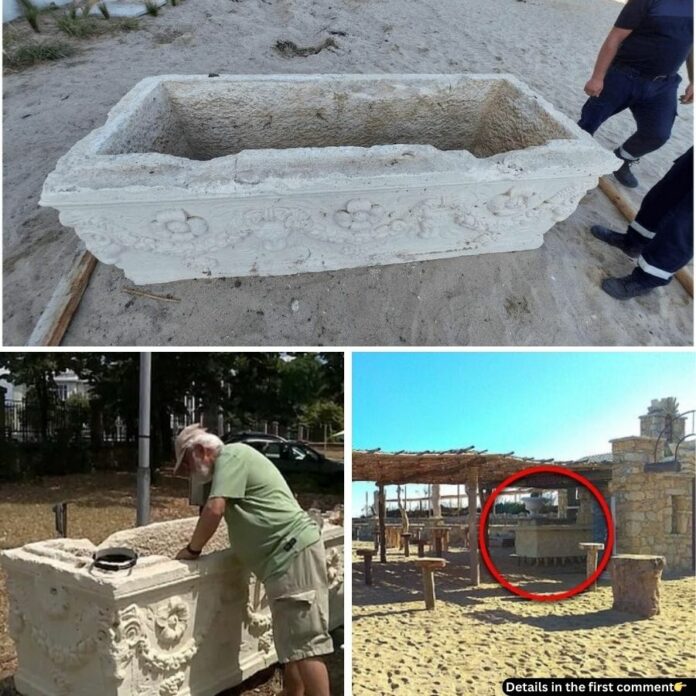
column 653, row 509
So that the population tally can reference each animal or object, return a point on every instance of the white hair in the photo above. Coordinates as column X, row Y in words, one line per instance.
column 206, row 440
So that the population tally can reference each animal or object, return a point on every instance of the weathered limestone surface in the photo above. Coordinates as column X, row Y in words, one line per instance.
column 195, row 176
column 163, row 628
column 635, row 583
column 550, row 540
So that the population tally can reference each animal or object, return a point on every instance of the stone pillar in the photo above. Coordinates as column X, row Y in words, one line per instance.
column 635, row 583
column 472, row 495
column 563, row 504
column 585, row 502
column 435, row 501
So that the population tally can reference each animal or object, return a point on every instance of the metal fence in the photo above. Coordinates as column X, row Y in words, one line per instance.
column 63, row 421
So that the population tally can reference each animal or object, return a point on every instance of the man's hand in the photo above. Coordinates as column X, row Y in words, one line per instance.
column 186, row 555
column 688, row 96
column 594, row 87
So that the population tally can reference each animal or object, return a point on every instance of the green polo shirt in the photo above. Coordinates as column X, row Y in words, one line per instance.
column 262, row 515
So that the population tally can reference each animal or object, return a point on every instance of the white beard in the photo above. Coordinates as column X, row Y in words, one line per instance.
column 203, row 473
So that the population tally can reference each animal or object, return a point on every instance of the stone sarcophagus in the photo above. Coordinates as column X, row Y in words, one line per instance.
column 160, row 628
column 200, row 176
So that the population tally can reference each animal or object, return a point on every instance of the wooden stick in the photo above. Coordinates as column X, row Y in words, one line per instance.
column 56, row 317
column 151, row 295
column 683, row 275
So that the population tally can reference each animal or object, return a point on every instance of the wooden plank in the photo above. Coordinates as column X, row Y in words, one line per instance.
column 624, row 206
column 56, row 317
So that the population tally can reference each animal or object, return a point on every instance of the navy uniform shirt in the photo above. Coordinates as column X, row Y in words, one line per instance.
column 662, row 35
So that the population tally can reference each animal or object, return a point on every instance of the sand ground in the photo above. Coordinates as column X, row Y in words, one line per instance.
column 548, row 296
column 479, row 636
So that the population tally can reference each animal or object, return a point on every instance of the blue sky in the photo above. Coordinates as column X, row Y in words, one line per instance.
column 562, row 405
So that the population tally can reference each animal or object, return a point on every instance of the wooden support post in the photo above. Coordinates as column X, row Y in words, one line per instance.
column 367, row 558
column 428, row 567
column 421, row 548
column 472, row 495
column 592, row 552
column 437, row 533
column 60, row 510
column 382, row 510
column 406, row 536
column 429, row 587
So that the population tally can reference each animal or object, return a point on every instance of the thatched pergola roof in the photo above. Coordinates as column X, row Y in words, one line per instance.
column 454, row 466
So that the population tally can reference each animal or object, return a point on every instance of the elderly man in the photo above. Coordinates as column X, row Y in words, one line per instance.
column 275, row 538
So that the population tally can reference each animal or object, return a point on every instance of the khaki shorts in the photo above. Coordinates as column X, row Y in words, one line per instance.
column 299, row 602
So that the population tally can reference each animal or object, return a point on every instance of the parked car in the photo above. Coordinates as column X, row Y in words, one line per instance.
column 251, row 435
column 293, row 455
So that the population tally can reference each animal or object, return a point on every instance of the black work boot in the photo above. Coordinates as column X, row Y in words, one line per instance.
column 624, row 175
column 625, row 288
column 616, row 239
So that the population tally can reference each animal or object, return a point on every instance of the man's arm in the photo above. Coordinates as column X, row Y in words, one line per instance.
column 688, row 96
column 606, row 55
column 208, row 523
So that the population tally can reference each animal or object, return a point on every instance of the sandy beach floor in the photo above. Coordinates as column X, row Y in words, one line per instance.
column 548, row 296
column 478, row 637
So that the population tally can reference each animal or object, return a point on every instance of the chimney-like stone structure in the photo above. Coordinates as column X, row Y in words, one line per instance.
column 654, row 423
column 653, row 508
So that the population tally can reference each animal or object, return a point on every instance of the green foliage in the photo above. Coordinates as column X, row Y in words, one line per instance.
column 30, row 54
column 323, row 412
column 31, row 14
column 129, row 24
column 104, row 10
column 79, row 27
column 152, row 8
column 245, row 386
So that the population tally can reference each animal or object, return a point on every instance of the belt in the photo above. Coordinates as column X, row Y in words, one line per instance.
column 633, row 71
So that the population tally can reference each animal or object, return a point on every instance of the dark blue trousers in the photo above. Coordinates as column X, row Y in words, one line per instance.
column 653, row 104
column 664, row 227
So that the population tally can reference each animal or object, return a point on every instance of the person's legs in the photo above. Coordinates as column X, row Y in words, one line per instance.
column 314, row 676
column 615, row 97
column 654, row 112
column 666, row 253
column 293, row 684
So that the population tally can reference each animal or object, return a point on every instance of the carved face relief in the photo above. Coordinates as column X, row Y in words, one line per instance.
column 53, row 598
column 171, row 620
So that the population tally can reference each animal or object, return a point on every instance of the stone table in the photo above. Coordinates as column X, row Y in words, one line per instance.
column 635, row 583
column 593, row 550
column 428, row 567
